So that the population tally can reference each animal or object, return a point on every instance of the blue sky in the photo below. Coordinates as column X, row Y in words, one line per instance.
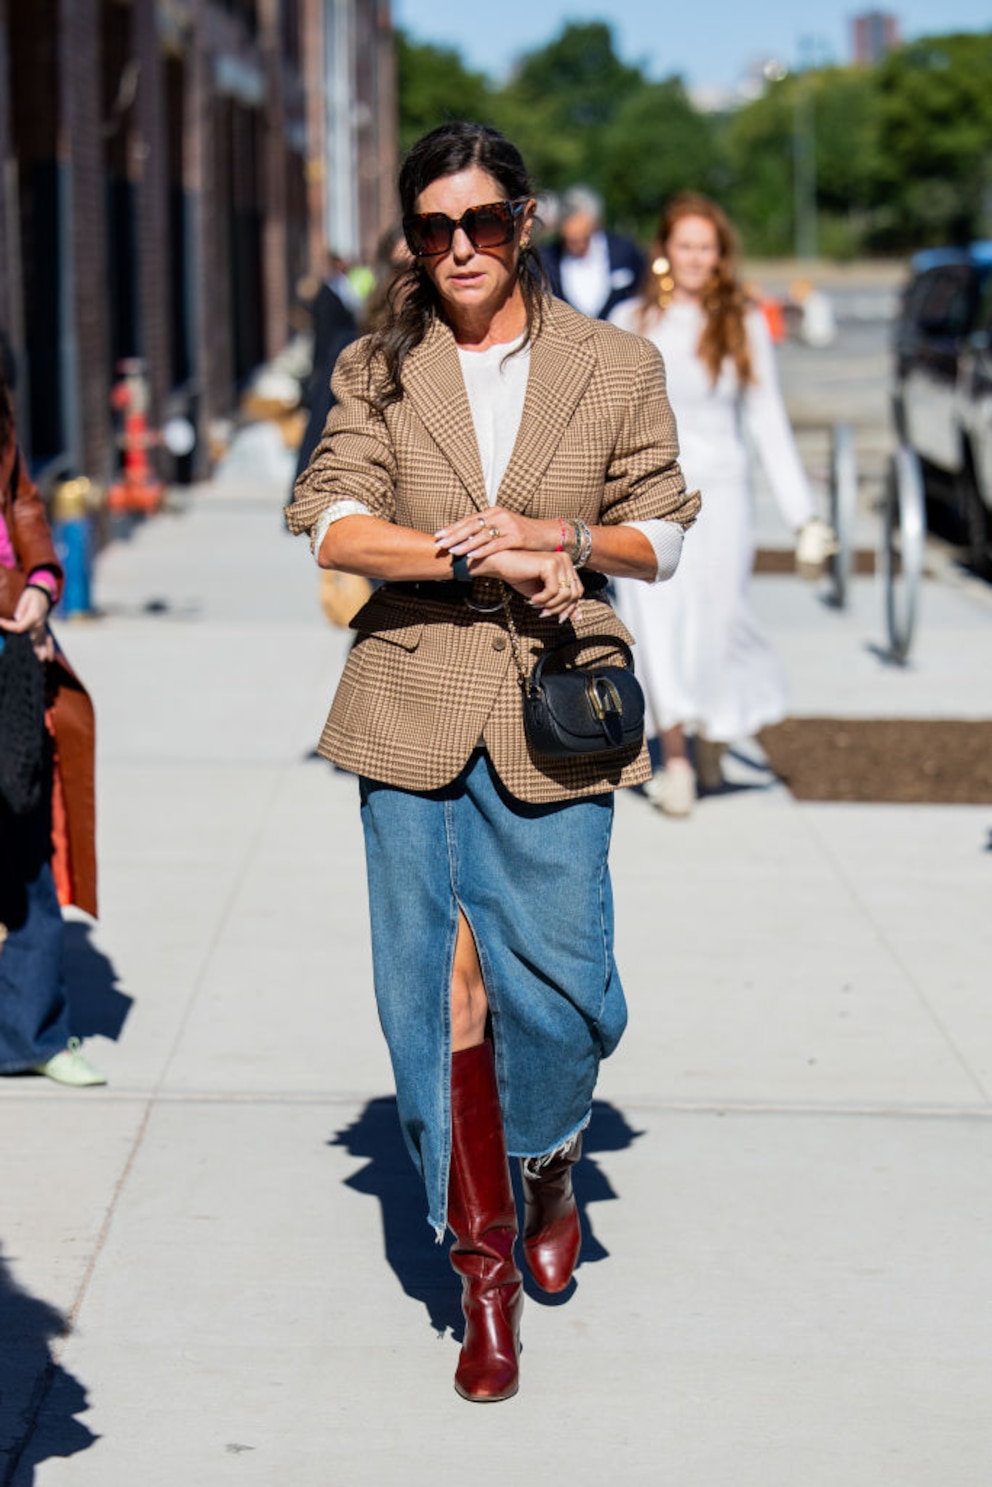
column 710, row 42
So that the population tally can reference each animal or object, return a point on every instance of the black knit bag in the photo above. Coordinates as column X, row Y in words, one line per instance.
column 22, row 724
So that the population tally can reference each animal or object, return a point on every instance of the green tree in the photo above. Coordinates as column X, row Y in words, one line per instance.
column 935, row 141
column 839, row 108
column 903, row 152
column 560, row 102
column 657, row 144
column 758, row 142
column 434, row 85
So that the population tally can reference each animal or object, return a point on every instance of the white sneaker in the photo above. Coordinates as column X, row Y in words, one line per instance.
column 71, row 1067
column 709, row 763
column 673, row 790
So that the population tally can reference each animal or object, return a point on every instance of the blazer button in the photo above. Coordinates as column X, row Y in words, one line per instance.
column 499, row 642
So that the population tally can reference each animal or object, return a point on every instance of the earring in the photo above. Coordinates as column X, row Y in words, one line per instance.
column 662, row 270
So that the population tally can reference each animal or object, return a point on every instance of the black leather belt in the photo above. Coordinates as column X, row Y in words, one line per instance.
column 483, row 594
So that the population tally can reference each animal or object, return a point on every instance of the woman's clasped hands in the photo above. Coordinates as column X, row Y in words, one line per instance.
column 522, row 551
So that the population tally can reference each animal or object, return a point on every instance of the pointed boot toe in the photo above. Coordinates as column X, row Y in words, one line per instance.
column 553, row 1252
column 488, row 1368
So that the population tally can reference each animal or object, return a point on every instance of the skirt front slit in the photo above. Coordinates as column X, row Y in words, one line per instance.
column 533, row 882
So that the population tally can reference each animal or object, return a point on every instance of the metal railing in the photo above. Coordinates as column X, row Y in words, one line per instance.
column 843, row 511
column 904, row 526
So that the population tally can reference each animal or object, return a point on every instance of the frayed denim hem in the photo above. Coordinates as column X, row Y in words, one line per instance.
column 532, row 1163
column 536, row 1160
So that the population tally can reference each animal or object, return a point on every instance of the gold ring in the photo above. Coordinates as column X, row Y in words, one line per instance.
column 482, row 521
column 495, row 532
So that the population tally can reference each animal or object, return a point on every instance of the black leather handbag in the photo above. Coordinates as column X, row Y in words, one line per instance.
column 571, row 708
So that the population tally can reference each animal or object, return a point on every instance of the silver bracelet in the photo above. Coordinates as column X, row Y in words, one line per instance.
column 583, row 543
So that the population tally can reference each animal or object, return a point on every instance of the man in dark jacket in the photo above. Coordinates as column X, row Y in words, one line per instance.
column 590, row 268
column 334, row 327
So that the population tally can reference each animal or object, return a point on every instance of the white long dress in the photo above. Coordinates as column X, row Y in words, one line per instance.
column 701, row 657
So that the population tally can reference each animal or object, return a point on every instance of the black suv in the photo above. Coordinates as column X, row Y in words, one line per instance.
column 942, row 397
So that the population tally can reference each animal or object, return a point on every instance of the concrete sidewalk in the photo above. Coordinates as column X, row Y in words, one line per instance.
column 218, row 1269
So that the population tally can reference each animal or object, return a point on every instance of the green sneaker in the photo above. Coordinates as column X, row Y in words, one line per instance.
column 71, row 1067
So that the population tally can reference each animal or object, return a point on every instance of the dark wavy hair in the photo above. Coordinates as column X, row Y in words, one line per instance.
column 6, row 402
column 413, row 300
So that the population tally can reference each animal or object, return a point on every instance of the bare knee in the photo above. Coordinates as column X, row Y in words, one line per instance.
column 469, row 1007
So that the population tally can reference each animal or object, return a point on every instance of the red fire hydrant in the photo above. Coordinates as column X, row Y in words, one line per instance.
column 139, row 488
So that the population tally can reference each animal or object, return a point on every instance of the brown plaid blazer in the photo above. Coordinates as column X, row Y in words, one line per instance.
column 427, row 680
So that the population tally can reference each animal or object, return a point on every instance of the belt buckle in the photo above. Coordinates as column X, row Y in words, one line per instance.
column 480, row 608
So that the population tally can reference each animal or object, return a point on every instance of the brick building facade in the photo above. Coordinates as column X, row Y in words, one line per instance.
column 165, row 181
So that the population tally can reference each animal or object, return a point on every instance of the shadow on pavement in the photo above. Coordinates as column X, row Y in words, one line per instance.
column 421, row 1265
column 39, row 1399
column 97, row 1007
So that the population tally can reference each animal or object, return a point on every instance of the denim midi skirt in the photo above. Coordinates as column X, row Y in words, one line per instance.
column 533, row 883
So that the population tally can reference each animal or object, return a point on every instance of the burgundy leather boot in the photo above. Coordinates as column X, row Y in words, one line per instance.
column 552, row 1235
column 483, row 1218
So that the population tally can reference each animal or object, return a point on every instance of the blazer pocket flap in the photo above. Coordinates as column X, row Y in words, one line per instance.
column 382, row 618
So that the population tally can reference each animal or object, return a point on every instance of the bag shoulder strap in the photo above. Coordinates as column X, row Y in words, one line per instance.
column 612, row 641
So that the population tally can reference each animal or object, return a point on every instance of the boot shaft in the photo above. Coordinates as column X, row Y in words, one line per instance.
column 482, row 1215
column 480, row 1194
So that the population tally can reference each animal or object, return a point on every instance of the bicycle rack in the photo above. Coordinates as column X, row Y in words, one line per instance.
column 843, row 511
column 903, row 534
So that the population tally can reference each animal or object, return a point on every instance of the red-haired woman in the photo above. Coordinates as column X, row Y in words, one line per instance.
column 46, row 807
column 706, row 667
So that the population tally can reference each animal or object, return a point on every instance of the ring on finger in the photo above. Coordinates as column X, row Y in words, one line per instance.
column 495, row 532
column 482, row 521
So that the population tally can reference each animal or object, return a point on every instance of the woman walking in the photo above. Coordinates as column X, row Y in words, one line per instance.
column 705, row 665
column 490, row 455
column 46, row 787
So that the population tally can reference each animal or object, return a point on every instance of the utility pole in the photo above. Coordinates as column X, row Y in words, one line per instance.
column 804, row 153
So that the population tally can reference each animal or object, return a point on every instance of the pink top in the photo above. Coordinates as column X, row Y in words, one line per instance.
column 7, row 559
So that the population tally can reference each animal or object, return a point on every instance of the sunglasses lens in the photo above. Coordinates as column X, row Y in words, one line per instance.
column 490, row 226
column 428, row 235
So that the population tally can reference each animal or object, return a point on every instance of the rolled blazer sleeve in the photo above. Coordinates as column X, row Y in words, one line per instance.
column 355, row 459
column 644, row 478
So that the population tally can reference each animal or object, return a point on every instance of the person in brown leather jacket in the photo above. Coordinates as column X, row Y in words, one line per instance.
column 46, row 843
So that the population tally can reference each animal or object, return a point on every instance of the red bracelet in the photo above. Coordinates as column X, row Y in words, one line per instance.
column 564, row 534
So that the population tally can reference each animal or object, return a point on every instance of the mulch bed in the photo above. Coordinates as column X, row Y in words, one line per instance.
column 915, row 761
column 782, row 560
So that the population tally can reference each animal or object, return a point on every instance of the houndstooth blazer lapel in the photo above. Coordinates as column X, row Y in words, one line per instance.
column 433, row 383
column 561, row 364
